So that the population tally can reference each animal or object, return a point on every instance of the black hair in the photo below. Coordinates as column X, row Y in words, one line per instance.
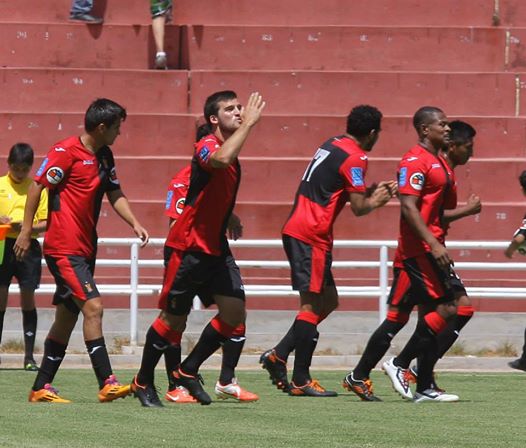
column 20, row 154
column 103, row 110
column 522, row 180
column 212, row 108
column 461, row 132
column 362, row 120
column 423, row 116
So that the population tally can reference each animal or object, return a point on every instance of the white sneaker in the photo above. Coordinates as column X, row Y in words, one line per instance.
column 398, row 377
column 433, row 395
column 235, row 391
column 161, row 61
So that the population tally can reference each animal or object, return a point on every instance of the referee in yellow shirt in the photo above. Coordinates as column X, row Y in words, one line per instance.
column 13, row 192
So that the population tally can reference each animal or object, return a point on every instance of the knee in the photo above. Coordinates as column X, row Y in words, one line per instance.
column 93, row 310
column 176, row 323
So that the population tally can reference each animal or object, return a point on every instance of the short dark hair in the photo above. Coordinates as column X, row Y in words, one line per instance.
column 423, row 116
column 522, row 180
column 103, row 110
column 20, row 154
column 212, row 108
column 362, row 120
column 461, row 132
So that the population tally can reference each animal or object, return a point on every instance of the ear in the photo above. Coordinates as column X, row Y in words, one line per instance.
column 101, row 127
column 213, row 119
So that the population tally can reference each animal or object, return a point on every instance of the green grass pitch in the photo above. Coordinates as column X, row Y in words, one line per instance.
column 491, row 413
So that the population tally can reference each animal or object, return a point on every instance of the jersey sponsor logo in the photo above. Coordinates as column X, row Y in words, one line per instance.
column 436, row 165
column 59, row 149
column 179, row 205
column 113, row 177
column 411, row 159
column 417, row 181
column 55, row 175
column 363, row 157
column 169, row 197
column 42, row 167
column 204, row 154
column 402, row 176
column 88, row 162
column 357, row 176
column 179, row 185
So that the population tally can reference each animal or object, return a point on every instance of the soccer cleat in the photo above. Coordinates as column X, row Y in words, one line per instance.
column 362, row 388
column 147, row 394
column 235, row 391
column 311, row 389
column 411, row 376
column 398, row 377
column 518, row 364
column 30, row 365
column 431, row 395
column 48, row 394
column 194, row 386
column 276, row 368
column 179, row 395
column 113, row 389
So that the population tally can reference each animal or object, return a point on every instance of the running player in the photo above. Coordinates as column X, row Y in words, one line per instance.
column 77, row 172
column 13, row 194
column 335, row 176
column 201, row 262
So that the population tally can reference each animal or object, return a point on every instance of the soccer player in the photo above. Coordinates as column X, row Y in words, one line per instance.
column 161, row 12
column 422, row 267
column 227, row 385
column 77, row 172
column 13, row 192
column 335, row 176
column 517, row 244
column 201, row 262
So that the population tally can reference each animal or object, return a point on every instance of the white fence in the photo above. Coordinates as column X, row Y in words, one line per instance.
column 134, row 288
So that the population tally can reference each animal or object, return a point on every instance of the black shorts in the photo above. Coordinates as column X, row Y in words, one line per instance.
column 27, row 272
column 421, row 281
column 74, row 279
column 310, row 267
column 190, row 274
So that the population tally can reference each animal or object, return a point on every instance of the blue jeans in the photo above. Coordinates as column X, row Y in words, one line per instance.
column 81, row 6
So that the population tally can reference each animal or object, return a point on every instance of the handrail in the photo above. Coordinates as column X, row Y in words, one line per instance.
column 135, row 289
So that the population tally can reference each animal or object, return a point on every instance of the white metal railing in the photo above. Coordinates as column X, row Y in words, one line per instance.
column 134, row 288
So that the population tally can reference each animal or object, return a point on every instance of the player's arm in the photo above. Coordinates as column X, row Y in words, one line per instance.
column 364, row 203
column 412, row 216
column 120, row 204
column 231, row 148
column 234, row 227
column 518, row 239
column 472, row 207
column 23, row 240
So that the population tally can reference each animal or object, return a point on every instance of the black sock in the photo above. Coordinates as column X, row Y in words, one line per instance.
column 232, row 349
column 305, row 340
column 416, row 345
column 100, row 360
column 29, row 324
column 523, row 356
column 54, row 353
column 154, row 347
column 450, row 334
column 2, row 315
column 426, row 364
column 208, row 343
column 172, row 359
column 376, row 348
column 286, row 345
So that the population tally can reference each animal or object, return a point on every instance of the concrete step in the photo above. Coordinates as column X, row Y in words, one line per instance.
column 351, row 48
column 330, row 92
column 140, row 91
column 292, row 12
column 59, row 45
column 274, row 136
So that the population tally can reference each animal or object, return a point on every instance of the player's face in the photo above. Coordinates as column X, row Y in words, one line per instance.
column 19, row 171
column 437, row 130
column 229, row 115
column 109, row 134
column 461, row 153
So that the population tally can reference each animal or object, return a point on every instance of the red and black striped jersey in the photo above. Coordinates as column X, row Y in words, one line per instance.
column 209, row 202
column 337, row 169
column 77, row 180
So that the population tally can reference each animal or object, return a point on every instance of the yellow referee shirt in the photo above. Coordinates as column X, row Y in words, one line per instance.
column 13, row 200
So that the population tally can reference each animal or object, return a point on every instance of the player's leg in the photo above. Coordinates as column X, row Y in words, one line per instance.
column 520, row 363
column 7, row 271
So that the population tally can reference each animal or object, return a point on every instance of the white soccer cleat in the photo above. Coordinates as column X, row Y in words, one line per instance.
column 399, row 379
column 431, row 395
column 234, row 391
